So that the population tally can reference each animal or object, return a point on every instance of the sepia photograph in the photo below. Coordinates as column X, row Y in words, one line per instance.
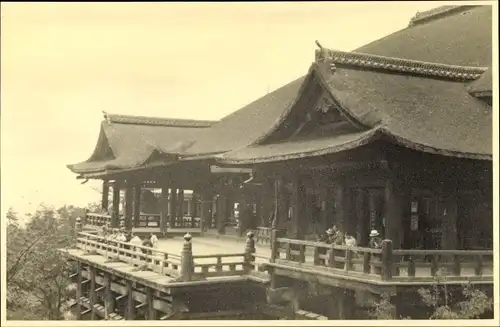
column 245, row 161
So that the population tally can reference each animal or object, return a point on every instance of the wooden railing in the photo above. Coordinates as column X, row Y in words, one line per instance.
column 187, row 222
column 149, row 220
column 146, row 220
column 152, row 259
column 263, row 235
column 184, row 267
column 97, row 219
column 385, row 264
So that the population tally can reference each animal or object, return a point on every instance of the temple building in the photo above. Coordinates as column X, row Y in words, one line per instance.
column 394, row 137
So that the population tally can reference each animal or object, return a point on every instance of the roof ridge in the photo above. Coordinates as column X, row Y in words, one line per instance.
column 401, row 65
column 157, row 121
column 437, row 13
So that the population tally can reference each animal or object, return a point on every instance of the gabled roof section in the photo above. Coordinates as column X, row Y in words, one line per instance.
column 127, row 142
column 247, row 125
column 421, row 105
column 462, row 36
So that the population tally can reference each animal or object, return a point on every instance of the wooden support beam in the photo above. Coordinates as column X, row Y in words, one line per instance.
column 281, row 208
column 129, row 196
column 393, row 212
column 340, row 210
column 140, row 305
column 180, row 206
column 173, row 206
column 130, row 301
column 449, row 214
column 92, row 292
column 79, row 290
column 299, row 219
column 115, row 211
column 109, row 301
column 362, row 217
column 329, row 208
column 151, row 314
column 137, row 204
column 86, row 311
column 164, row 209
column 193, row 206
column 105, row 196
column 205, row 218
column 221, row 214
column 267, row 203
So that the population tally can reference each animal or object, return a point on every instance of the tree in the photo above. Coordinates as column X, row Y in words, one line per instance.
column 475, row 303
column 37, row 273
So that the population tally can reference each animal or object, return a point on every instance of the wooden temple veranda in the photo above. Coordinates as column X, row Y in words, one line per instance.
column 395, row 136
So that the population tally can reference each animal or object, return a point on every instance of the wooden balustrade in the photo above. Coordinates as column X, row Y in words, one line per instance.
column 185, row 222
column 97, row 219
column 263, row 235
column 185, row 266
column 137, row 255
column 385, row 263
column 151, row 220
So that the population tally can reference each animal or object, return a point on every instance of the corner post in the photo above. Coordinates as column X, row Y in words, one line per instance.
column 387, row 259
column 249, row 252
column 187, row 259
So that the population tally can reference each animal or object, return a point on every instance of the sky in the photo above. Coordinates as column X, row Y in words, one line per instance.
column 62, row 64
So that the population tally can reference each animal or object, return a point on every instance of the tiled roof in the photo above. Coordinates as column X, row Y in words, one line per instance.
column 129, row 141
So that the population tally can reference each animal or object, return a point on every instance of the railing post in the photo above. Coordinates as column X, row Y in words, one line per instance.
column 274, row 245
column 249, row 251
column 387, row 259
column 187, row 259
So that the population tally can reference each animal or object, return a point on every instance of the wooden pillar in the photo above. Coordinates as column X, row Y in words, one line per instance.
column 257, row 199
column 92, row 294
column 173, row 206
column 205, row 218
column 340, row 210
column 109, row 300
column 151, row 313
column 105, row 196
column 79, row 290
column 281, row 209
column 363, row 218
column 115, row 211
column 393, row 212
column 164, row 209
column 180, row 207
column 329, row 210
column 193, row 206
column 129, row 195
column 299, row 219
column 221, row 214
column 137, row 204
column 267, row 203
column 449, row 213
column 130, row 311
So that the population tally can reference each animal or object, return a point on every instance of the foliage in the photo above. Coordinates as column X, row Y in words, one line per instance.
column 474, row 304
column 37, row 273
